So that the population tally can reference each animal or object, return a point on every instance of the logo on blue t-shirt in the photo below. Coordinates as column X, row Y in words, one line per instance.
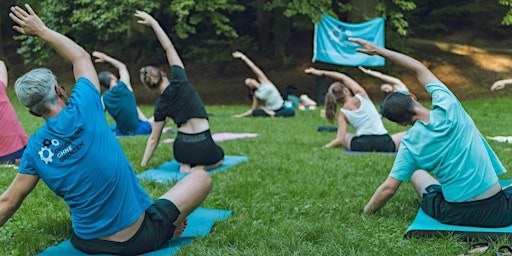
column 64, row 151
column 46, row 153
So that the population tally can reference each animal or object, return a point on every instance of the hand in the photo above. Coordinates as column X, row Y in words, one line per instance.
column 364, row 70
column 368, row 47
column 238, row 54
column 145, row 18
column 28, row 23
column 100, row 57
column 314, row 71
column 498, row 85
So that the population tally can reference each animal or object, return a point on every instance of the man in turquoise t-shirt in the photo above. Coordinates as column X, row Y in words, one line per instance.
column 451, row 166
column 79, row 159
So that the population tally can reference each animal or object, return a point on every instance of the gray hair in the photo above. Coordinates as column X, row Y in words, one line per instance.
column 36, row 90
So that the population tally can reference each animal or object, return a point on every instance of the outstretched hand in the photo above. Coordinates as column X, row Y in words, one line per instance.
column 498, row 85
column 100, row 57
column 237, row 54
column 313, row 71
column 145, row 18
column 28, row 23
column 368, row 47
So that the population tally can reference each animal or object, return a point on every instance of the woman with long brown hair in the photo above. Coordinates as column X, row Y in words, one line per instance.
column 357, row 110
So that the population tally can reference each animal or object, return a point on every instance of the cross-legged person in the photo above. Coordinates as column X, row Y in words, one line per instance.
column 358, row 111
column 262, row 90
column 451, row 166
column 119, row 100
column 194, row 147
column 81, row 161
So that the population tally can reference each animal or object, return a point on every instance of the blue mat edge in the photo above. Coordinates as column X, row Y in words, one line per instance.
column 436, row 228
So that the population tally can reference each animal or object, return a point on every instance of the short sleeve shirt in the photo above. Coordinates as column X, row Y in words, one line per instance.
column 270, row 95
column 80, row 160
column 450, row 147
column 179, row 100
column 121, row 105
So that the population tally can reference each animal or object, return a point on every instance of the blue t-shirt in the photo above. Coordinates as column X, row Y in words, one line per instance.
column 121, row 105
column 79, row 159
column 179, row 100
column 450, row 147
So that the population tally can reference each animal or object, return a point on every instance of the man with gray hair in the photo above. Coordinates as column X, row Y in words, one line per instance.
column 80, row 160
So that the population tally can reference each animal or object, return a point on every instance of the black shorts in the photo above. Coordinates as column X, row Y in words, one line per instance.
column 368, row 143
column 491, row 212
column 197, row 149
column 282, row 112
column 156, row 230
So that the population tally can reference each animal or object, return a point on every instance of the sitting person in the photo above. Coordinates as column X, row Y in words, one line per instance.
column 445, row 142
column 13, row 138
column 262, row 89
column 500, row 84
column 80, row 160
column 119, row 100
column 194, row 147
column 357, row 110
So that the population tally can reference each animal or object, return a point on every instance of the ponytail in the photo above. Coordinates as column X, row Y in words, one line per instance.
column 151, row 77
column 334, row 95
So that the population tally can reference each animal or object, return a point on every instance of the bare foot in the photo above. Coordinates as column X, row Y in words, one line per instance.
column 180, row 228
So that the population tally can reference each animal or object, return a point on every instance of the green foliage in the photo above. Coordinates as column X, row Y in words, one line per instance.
column 507, row 19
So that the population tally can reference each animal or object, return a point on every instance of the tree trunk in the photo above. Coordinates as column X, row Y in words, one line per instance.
column 263, row 21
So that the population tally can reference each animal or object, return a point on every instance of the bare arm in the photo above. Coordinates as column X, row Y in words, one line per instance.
column 423, row 74
column 254, row 105
column 29, row 23
column 381, row 196
column 500, row 84
column 346, row 80
column 124, row 75
column 255, row 69
column 153, row 140
column 172, row 55
column 393, row 81
column 12, row 198
column 3, row 73
column 341, row 133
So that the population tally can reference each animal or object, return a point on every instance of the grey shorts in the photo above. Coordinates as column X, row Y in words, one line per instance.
column 156, row 230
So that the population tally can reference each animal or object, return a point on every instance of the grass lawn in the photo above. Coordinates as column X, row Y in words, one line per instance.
column 290, row 198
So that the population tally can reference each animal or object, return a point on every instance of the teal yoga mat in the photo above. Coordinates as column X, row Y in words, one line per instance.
column 200, row 223
column 426, row 226
column 170, row 171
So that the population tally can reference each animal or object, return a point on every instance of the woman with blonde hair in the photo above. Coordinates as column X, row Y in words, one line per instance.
column 194, row 147
column 357, row 110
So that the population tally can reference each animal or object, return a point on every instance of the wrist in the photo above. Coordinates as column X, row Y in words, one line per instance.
column 243, row 57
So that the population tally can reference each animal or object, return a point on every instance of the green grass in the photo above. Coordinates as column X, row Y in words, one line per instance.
column 290, row 198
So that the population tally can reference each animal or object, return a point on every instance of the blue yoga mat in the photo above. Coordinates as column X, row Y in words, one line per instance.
column 200, row 223
column 426, row 226
column 170, row 171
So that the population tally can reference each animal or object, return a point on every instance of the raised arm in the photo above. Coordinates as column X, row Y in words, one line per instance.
column 346, row 80
column 393, row 81
column 124, row 75
column 29, row 23
column 172, row 55
column 423, row 74
column 3, row 73
column 500, row 84
column 255, row 69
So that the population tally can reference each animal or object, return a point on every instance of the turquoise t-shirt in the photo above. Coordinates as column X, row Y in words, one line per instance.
column 121, row 105
column 450, row 147
column 80, row 160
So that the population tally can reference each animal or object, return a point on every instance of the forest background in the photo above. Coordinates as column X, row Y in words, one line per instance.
column 465, row 42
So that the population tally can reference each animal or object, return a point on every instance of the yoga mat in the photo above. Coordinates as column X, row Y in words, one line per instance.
column 327, row 129
column 170, row 171
column 350, row 152
column 426, row 226
column 222, row 136
column 200, row 223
